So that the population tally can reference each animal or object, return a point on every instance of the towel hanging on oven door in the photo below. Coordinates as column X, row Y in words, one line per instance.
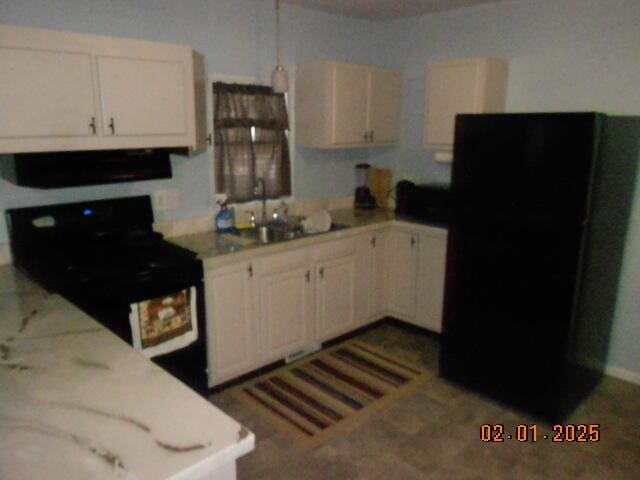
column 164, row 324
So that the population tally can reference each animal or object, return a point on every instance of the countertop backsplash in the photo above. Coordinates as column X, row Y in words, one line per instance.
column 205, row 223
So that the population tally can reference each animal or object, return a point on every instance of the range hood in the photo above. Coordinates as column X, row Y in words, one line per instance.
column 72, row 169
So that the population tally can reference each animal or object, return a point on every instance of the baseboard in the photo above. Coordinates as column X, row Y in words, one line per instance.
column 623, row 374
column 5, row 254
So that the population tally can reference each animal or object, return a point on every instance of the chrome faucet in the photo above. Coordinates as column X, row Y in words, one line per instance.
column 261, row 189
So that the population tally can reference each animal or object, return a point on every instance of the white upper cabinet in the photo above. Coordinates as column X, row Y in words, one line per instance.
column 350, row 104
column 341, row 105
column 25, row 94
column 472, row 85
column 384, row 106
column 69, row 91
column 142, row 97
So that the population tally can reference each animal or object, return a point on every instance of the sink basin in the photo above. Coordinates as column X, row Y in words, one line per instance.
column 278, row 233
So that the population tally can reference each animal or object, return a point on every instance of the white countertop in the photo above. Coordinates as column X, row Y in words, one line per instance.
column 78, row 402
column 216, row 249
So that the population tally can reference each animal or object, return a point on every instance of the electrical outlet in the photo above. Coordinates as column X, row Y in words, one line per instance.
column 160, row 200
column 174, row 199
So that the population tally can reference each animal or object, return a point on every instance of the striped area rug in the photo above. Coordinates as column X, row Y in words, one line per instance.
column 325, row 392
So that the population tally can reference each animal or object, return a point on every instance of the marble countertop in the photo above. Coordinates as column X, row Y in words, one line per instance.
column 77, row 402
column 217, row 249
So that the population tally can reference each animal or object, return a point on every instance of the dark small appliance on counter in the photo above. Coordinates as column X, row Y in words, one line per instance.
column 428, row 202
column 363, row 197
column 72, row 169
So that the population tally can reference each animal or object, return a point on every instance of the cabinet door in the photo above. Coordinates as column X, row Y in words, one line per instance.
column 431, row 271
column 371, row 277
column 403, row 249
column 285, row 304
column 45, row 94
column 142, row 97
column 231, row 326
column 379, row 294
column 385, row 97
column 336, row 296
column 452, row 89
column 350, row 104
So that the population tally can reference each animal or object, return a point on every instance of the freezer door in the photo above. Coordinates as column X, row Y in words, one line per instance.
column 524, row 165
column 508, row 308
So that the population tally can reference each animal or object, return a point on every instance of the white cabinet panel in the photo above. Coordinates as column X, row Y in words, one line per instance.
column 371, row 276
column 60, row 91
column 45, row 94
column 336, row 297
column 285, row 304
column 384, row 106
column 403, row 248
column 350, row 104
column 431, row 276
column 231, row 325
column 345, row 105
column 471, row 85
column 142, row 97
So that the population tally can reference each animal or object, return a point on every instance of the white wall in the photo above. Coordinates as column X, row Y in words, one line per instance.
column 564, row 55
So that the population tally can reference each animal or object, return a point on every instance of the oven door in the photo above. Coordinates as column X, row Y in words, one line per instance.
column 164, row 324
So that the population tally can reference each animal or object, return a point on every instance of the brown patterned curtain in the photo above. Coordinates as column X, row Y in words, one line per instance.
column 251, row 128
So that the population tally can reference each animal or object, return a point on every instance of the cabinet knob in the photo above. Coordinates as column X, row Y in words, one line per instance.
column 373, row 242
column 92, row 124
column 366, row 136
column 413, row 241
column 112, row 126
column 308, row 276
column 250, row 270
column 321, row 272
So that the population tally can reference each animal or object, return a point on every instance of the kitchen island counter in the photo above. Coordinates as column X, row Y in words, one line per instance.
column 78, row 402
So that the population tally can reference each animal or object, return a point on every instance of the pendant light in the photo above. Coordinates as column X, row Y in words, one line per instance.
column 279, row 77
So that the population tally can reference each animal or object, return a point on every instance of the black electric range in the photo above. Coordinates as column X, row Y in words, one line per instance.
column 105, row 257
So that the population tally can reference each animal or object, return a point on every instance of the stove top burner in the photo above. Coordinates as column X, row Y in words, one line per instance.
column 114, row 248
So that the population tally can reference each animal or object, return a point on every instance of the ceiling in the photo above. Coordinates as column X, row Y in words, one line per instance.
column 385, row 9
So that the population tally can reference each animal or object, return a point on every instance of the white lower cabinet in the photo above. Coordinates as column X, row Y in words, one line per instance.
column 266, row 308
column 403, row 252
column 231, row 322
column 371, row 276
column 285, row 304
column 417, row 272
column 335, row 266
column 432, row 255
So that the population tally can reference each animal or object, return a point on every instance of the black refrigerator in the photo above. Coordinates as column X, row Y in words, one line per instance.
column 540, row 209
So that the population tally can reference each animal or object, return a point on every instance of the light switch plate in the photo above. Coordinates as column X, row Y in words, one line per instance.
column 444, row 156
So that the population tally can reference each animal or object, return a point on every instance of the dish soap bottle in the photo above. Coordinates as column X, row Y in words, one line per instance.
column 224, row 218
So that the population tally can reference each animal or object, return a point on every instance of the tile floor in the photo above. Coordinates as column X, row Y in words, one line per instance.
column 433, row 433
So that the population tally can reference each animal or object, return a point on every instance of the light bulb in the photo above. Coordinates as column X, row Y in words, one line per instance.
column 280, row 80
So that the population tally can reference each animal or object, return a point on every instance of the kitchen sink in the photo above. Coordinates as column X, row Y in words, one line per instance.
column 277, row 233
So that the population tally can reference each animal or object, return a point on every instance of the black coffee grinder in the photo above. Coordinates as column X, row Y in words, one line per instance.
column 363, row 197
